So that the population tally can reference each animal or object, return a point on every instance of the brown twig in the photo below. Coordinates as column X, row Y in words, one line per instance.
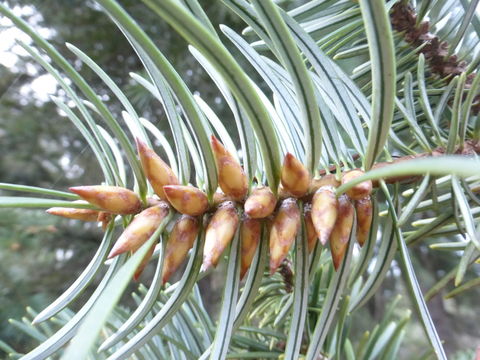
column 469, row 148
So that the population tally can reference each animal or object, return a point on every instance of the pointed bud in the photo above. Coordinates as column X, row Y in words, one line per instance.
column 359, row 191
column 250, row 232
column 282, row 234
column 140, row 230
column 144, row 262
column 261, row 203
column 295, row 177
column 72, row 213
column 187, row 200
column 310, row 229
column 324, row 212
column 364, row 212
column 341, row 231
column 231, row 177
column 156, row 170
column 181, row 240
column 327, row 180
column 113, row 199
column 219, row 233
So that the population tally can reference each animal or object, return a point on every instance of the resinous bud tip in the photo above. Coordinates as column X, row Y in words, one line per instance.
column 140, row 229
column 114, row 199
column 156, row 170
column 261, row 203
column 187, row 200
column 231, row 177
column 219, row 233
column 295, row 177
column 284, row 228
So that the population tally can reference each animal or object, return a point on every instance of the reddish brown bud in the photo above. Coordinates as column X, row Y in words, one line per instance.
column 181, row 240
column 72, row 213
column 104, row 218
column 282, row 234
column 364, row 212
column 341, row 231
column 187, row 200
column 144, row 262
column 231, row 177
column 310, row 229
column 156, row 170
column 261, row 203
column 250, row 232
column 324, row 212
column 327, row 180
column 113, row 199
column 295, row 177
column 219, row 233
column 359, row 191
column 140, row 230
column 219, row 197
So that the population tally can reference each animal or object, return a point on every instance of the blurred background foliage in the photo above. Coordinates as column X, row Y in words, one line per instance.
column 40, row 255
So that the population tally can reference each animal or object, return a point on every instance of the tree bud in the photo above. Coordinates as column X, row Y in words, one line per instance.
column 250, row 232
column 295, row 177
column 341, row 231
column 187, row 200
column 327, row 180
column 285, row 226
column 324, row 212
column 72, row 213
column 364, row 212
column 181, row 240
column 140, row 230
column 310, row 229
column 219, row 197
column 219, row 233
column 231, row 177
column 113, row 199
column 261, row 203
column 156, row 170
column 359, row 191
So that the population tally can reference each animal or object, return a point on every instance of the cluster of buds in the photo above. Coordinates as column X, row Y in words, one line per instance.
column 327, row 217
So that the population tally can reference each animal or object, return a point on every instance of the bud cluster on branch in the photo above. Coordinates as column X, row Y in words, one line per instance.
column 300, row 198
